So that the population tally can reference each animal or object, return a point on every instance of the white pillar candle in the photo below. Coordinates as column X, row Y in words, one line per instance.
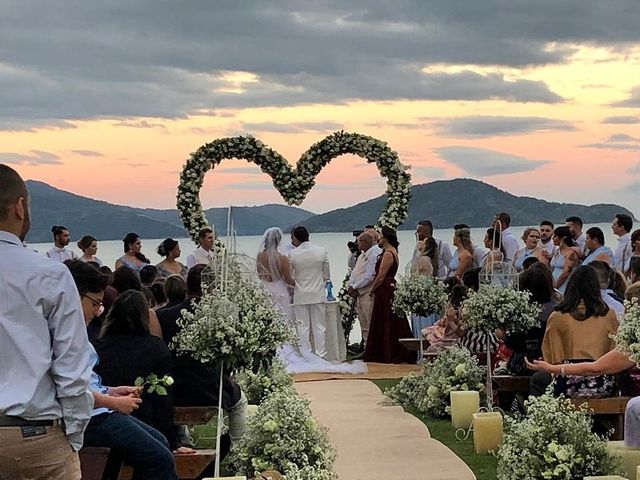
column 487, row 431
column 463, row 405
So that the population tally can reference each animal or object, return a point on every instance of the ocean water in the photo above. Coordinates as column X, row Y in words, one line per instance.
column 335, row 243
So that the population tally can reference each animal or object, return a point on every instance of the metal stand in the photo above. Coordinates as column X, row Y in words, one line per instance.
column 220, row 424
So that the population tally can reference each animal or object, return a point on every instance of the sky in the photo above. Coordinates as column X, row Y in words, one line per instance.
column 108, row 99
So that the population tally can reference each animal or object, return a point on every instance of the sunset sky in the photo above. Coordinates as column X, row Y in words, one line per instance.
column 107, row 99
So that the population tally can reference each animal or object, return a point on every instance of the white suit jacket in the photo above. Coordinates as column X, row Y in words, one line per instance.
column 310, row 269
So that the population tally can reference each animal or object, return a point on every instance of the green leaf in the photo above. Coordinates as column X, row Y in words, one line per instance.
column 151, row 389
column 160, row 390
column 139, row 381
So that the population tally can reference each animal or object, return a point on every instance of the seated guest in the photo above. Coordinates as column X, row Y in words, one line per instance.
column 635, row 243
column 617, row 284
column 197, row 384
column 125, row 279
column 133, row 256
column 565, row 258
column 462, row 259
column 89, row 247
column 580, row 328
column 157, row 290
column 175, row 290
column 141, row 446
column 148, row 275
column 128, row 351
column 170, row 250
column 531, row 237
column 604, row 272
column 446, row 331
column 634, row 274
column 597, row 249
column 528, row 262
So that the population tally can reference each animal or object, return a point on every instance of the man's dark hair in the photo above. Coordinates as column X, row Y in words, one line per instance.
column 175, row 288
column 458, row 226
column 57, row 230
column 597, row 233
column 582, row 297
column 194, row 280
column 13, row 187
column 547, row 223
column 148, row 274
column 428, row 224
column 504, row 218
column 574, row 219
column 301, row 233
column 625, row 221
column 528, row 262
column 124, row 278
column 538, row 281
column 603, row 271
column 369, row 226
column 88, row 279
column 471, row 279
column 204, row 231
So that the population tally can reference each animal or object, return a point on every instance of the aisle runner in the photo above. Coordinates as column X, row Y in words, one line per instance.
column 378, row 442
column 375, row 371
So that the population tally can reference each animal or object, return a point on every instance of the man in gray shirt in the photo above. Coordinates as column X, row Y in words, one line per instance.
column 45, row 402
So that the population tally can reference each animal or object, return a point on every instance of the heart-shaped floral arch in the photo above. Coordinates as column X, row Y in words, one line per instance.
column 293, row 184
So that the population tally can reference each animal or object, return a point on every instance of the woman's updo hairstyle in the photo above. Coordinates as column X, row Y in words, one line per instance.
column 563, row 233
column 166, row 246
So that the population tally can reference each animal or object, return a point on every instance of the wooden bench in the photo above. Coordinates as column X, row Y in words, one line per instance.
column 415, row 345
column 189, row 467
column 511, row 383
column 93, row 464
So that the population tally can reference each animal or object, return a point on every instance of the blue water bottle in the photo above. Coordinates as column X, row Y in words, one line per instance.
column 329, row 286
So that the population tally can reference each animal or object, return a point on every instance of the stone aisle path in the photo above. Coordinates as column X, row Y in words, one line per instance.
column 376, row 442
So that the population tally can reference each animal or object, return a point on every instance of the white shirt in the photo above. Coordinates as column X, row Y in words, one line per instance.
column 362, row 276
column 479, row 252
column 200, row 256
column 581, row 242
column 623, row 253
column 61, row 254
column 510, row 245
column 549, row 246
column 310, row 271
column 44, row 351
column 612, row 303
column 443, row 260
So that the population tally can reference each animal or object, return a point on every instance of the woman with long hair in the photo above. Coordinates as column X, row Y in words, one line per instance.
column 426, row 264
column 565, row 259
column 531, row 238
column 124, row 278
column 274, row 272
column 493, row 243
column 462, row 259
column 170, row 250
column 89, row 246
column 387, row 328
column 133, row 256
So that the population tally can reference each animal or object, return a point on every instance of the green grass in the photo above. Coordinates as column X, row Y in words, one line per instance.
column 483, row 466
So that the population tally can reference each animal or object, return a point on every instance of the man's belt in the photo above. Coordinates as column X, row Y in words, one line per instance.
column 8, row 421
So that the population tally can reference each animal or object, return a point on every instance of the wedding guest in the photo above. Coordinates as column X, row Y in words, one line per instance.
column 565, row 259
column 148, row 275
column 546, row 242
column 371, row 230
column 581, row 327
column 44, row 352
column 149, row 297
column 170, row 249
column 462, row 259
column 61, row 239
column 446, row 332
column 621, row 226
column 579, row 238
column 493, row 243
column 157, row 290
column 89, row 247
column 510, row 243
column 424, row 230
column 531, row 237
column 528, row 262
column 597, row 249
column 604, row 272
column 175, row 289
column 634, row 277
column 133, row 257
column 204, row 253
column 197, row 384
column 424, row 265
column 354, row 252
column 111, row 425
column 617, row 284
column 124, row 278
column 361, row 281
column 387, row 327
column 479, row 252
column 635, row 243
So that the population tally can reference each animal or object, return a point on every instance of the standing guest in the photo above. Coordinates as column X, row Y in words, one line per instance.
column 424, row 230
column 510, row 243
column 133, row 257
column 371, row 230
column 604, row 273
column 148, row 275
column 361, row 281
column 125, row 279
column 493, row 244
column 61, row 238
column 387, row 328
column 565, row 259
column 310, row 271
column 531, row 237
column 621, row 226
column 425, row 264
column 462, row 259
column 170, row 249
column 354, row 252
column 45, row 402
column 546, row 242
column 598, row 252
column 635, row 243
column 479, row 252
column 204, row 253
column 579, row 238
column 89, row 247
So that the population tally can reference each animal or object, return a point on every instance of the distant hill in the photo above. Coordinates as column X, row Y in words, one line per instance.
column 448, row 202
column 106, row 221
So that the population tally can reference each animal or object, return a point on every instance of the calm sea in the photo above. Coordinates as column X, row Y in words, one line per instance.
column 335, row 243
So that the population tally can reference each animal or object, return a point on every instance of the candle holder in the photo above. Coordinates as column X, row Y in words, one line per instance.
column 464, row 433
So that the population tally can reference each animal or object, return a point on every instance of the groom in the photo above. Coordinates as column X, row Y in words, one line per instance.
column 310, row 269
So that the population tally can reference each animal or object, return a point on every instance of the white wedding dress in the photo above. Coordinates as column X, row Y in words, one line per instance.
column 290, row 355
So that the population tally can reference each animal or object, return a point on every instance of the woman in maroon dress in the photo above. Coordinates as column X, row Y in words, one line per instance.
column 387, row 327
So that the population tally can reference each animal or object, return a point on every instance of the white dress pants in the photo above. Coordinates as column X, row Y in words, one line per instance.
column 311, row 323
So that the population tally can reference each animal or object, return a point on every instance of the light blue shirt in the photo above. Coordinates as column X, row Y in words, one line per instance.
column 95, row 383
column 44, row 350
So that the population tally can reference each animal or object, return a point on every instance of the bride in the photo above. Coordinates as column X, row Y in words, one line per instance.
column 274, row 272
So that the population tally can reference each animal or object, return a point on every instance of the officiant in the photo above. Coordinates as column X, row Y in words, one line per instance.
column 361, row 280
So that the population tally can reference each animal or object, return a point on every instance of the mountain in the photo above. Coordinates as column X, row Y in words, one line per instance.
column 106, row 221
column 448, row 202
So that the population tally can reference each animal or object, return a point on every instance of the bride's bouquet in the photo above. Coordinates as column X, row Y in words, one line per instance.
column 420, row 295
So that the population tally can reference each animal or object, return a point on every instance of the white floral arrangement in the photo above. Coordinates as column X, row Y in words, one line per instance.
column 257, row 386
column 455, row 369
column 494, row 307
column 420, row 295
column 239, row 326
column 345, row 302
column 628, row 336
column 553, row 442
column 293, row 184
column 284, row 436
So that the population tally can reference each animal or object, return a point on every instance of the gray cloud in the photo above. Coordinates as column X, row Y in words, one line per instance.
column 482, row 162
column 632, row 101
column 622, row 119
column 490, row 126
column 300, row 127
column 139, row 124
column 34, row 157
column 618, row 141
column 87, row 153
